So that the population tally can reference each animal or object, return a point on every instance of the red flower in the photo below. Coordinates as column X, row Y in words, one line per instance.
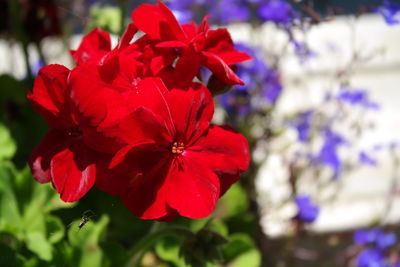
column 63, row 156
column 94, row 46
column 200, row 46
column 176, row 161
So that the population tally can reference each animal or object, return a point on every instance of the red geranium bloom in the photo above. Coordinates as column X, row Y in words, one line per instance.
column 200, row 46
column 176, row 161
column 63, row 156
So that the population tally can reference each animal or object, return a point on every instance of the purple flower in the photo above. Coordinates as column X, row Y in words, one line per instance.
column 307, row 211
column 257, row 75
column 371, row 258
column 366, row 159
column 356, row 97
column 380, row 239
column 390, row 12
column 303, row 125
column 363, row 237
column 385, row 240
column 227, row 11
column 328, row 153
column 277, row 11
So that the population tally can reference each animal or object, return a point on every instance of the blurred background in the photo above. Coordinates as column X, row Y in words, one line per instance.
column 319, row 108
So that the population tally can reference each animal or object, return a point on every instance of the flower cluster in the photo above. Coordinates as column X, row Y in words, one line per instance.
column 376, row 251
column 136, row 119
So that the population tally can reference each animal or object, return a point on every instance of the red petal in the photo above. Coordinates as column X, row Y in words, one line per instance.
column 188, row 66
column 72, row 172
column 193, row 190
column 222, row 150
column 158, row 22
column 146, row 196
column 127, row 36
column 190, row 30
column 49, row 96
column 41, row 156
column 219, row 42
column 143, row 125
column 173, row 43
column 93, row 47
column 95, row 104
column 191, row 110
column 220, row 69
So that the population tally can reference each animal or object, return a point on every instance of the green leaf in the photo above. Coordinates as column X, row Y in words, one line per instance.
column 37, row 243
column 10, row 217
column 55, row 229
column 241, row 251
column 233, row 203
column 87, row 241
column 107, row 18
column 239, row 243
column 7, row 144
column 218, row 227
column 251, row 258
column 168, row 250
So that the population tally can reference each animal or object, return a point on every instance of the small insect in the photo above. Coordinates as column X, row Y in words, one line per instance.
column 86, row 216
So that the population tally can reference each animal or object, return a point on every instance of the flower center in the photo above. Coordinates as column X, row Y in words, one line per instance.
column 74, row 132
column 178, row 148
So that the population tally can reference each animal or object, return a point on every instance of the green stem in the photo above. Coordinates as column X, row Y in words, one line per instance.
column 148, row 241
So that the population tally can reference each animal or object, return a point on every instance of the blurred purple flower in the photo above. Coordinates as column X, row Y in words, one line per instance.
column 278, row 11
column 303, row 125
column 380, row 239
column 385, row 240
column 356, row 97
column 307, row 211
column 390, row 12
column 182, row 9
column 256, row 73
column 363, row 236
column 328, row 153
column 371, row 258
column 366, row 159
column 228, row 11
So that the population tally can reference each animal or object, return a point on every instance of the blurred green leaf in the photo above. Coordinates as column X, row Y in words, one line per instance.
column 251, row 258
column 55, row 229
column 10, row 217
column 239, row 243
column 168, row 250
column 233, row 203
column 7, row 144
column 87, row 241
column 37, row 243
column 241, row 251
column 107, row 18
column 218, row 227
